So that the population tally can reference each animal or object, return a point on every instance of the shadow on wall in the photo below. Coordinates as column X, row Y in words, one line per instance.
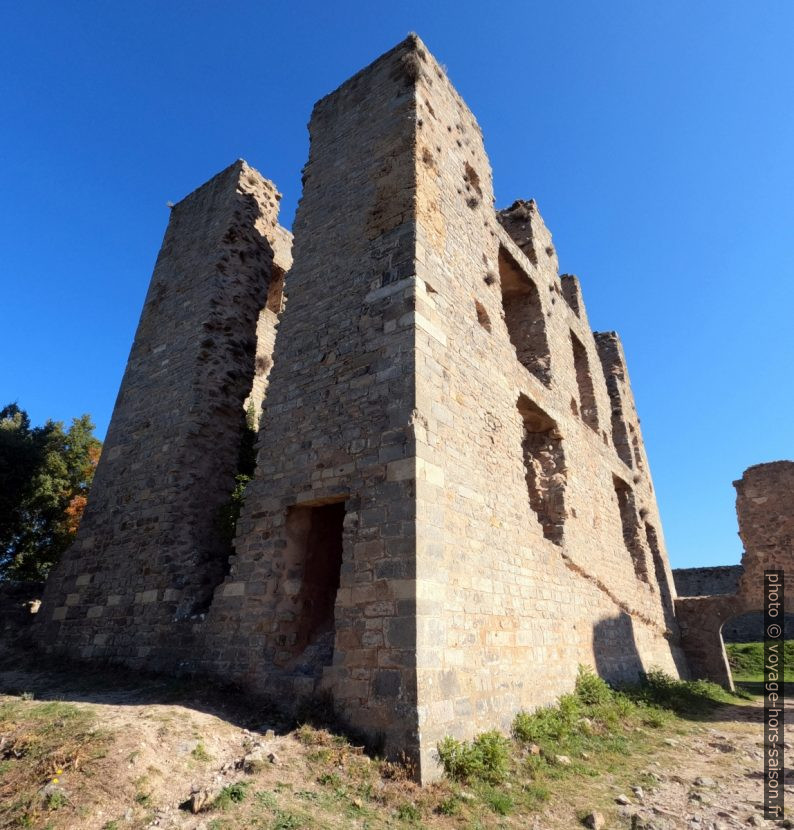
column 749, row 628
column 617, row 659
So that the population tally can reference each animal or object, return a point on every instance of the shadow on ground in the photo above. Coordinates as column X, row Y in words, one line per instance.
column 46, row 678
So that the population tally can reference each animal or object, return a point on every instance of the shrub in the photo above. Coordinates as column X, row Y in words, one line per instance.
column 591, row 690
column 551, row 723
column 231, row 794
column 486, row 757
column 681, row 696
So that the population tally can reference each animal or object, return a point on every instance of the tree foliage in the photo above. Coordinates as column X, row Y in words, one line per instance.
column 45, row 475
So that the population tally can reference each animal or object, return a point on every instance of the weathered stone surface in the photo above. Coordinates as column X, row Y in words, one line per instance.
column 724, row 579
column 452, row 506
column 149, row 549
column 765, row 509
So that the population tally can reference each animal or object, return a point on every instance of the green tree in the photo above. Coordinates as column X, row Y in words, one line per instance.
column 45, row 475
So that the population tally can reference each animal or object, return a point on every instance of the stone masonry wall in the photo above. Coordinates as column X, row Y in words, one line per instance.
column 148, row 553
column 336, row 441
column 505, row 613
column 700, row 582
column 452, row 506
column 724, row 579
column 765, row 509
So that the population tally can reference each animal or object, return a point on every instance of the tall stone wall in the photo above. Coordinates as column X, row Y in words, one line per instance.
column 334, row 478
column 527, row 562
column 149, row 552
column 452, row 505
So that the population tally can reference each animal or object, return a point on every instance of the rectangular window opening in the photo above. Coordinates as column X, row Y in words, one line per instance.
column 524, row 317
column 544, row 462
column 631, row 528
column 584, row 380
column 314, row 547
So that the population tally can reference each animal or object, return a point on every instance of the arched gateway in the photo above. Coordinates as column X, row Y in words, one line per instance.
column 765, row 508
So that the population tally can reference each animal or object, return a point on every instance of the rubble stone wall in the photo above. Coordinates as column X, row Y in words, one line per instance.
column 724, row 579
column 765, row 509
column 510, row 598
column 452, row 506
column 149, row 552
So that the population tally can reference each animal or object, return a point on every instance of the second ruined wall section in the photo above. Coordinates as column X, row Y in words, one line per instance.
column 149, row 552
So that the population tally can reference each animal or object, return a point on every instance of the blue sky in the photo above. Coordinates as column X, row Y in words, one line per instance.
column 658, row 139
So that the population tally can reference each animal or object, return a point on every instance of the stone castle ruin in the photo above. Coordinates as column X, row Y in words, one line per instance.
column 717, row 601
column 452, row 506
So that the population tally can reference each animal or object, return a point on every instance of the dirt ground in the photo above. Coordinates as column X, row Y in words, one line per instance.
column 168, row 741
column 709, row 777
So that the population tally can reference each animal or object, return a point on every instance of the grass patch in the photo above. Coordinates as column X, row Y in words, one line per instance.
column 497, row 801
column 747, row 661
column 55, row 800
column 587, row 733
column 45, row 742
column 231, row 795
column 285, row 820
column 200, row 753
column 266, row 799
column 408, row 812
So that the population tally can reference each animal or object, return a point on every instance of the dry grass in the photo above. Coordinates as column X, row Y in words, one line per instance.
column 123, row 764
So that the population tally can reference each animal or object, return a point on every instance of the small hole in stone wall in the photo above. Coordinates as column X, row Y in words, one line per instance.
column 489, row 278
column 472, row 178
column 482, row 316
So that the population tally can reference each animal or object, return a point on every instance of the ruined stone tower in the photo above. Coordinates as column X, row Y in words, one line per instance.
column 452, row 506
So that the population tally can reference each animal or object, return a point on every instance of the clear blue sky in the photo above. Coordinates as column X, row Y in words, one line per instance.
column 658, row 139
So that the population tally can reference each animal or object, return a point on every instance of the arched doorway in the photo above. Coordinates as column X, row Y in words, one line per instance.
column 743, row 639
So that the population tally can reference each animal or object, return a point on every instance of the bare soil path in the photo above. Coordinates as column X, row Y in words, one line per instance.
column 171, row 739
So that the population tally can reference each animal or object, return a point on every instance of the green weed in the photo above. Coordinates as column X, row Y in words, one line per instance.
column 231, row 794
column 200, row 753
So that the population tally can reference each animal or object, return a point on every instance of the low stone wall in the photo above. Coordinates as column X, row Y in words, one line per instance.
column 707, row 582
column 722, row 580
column 765, row 509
